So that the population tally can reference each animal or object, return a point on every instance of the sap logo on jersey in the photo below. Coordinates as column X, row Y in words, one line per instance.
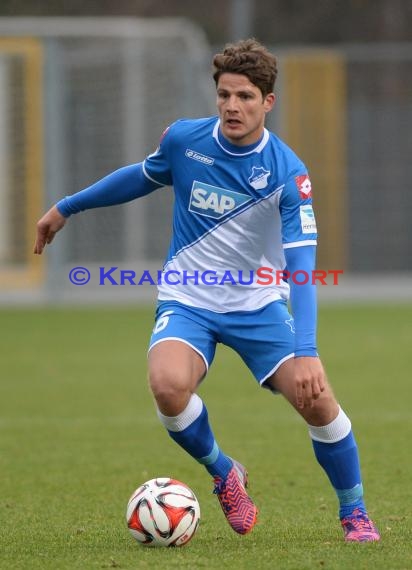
column 214, row 202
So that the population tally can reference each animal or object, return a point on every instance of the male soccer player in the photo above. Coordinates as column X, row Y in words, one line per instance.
column 242, row 202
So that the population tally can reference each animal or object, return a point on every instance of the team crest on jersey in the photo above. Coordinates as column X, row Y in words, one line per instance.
column 304, row 186
column 259, row 177
column 214, row 202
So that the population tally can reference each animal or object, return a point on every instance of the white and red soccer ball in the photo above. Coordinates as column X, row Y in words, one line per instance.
column 163, row 512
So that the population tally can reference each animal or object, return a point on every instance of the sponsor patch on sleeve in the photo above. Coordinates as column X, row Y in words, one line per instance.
column 304, row 186
column 307, row 220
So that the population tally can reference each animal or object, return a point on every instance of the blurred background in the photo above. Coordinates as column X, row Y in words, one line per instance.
column 87, row 87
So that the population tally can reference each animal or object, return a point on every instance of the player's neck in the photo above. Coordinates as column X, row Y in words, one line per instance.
column 238, row 148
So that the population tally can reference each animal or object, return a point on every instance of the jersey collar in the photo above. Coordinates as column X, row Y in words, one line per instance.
column 235, row 150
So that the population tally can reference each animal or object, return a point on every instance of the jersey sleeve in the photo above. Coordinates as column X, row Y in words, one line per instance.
column 157, row 166
column 118, row 187
column 296, row 211
column 303, row 299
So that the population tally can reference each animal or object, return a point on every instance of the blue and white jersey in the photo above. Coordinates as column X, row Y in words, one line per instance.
column 236, row 209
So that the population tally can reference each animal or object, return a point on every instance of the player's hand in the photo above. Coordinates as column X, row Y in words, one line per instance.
column 310, row 380
column 47, row 227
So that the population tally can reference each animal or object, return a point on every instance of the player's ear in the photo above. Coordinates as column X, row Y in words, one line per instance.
column 269, row 102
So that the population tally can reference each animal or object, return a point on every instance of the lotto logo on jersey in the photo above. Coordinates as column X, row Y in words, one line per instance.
column 304, row 186
column 199, row 157
column 214, row 202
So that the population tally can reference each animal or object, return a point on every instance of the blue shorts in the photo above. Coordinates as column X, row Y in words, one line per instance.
column 264, row 338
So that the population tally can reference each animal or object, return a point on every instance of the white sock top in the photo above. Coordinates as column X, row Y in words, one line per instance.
column 338, row 429
column 185, row 418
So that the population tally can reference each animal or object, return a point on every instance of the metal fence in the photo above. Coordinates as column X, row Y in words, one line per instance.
column 380, row 157
column 80, row 98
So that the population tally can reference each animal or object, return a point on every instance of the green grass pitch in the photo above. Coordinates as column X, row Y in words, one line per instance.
column 78, row 433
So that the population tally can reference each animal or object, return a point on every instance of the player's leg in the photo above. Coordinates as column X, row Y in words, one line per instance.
column 265, row 340
column 336, row 451
column 174, row 373
column 176, row 368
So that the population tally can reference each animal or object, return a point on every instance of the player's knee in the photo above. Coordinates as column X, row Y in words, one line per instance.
column 170, row 390
column 323, row 412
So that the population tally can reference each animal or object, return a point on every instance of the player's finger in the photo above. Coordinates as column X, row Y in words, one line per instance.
column 44, row 236
column 50, row 237
column 39, row 244
column 308, row 395
column 322, row 384
column 40, row 239
column 316, row 389
column 299, row 396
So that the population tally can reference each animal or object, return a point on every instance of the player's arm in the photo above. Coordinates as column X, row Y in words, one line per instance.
column 123, row 185
column 299, row 242
column 309, row 373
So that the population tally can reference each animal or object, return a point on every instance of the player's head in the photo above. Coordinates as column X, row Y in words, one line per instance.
column 245, row 75
column 250, row 58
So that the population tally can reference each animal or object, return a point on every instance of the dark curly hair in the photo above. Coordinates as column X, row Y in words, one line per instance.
column 250, row 58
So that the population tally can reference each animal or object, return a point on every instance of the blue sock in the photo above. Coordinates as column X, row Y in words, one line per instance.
column 191, row 430
column 339, row 458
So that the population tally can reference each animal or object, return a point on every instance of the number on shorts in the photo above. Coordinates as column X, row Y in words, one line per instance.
column 162, row 322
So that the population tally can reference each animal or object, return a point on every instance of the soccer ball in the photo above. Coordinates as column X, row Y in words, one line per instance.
column 163, row 512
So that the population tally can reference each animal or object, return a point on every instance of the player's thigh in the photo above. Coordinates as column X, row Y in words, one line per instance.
column 324, row 409
column 173, row 366
column 182, row 347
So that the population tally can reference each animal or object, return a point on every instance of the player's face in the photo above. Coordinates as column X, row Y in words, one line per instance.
column 242, row 108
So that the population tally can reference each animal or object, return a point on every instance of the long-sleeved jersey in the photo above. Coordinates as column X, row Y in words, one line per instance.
column 242, row 215
column 236, row 210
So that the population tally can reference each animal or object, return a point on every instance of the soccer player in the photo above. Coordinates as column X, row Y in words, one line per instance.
column 243, row 214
